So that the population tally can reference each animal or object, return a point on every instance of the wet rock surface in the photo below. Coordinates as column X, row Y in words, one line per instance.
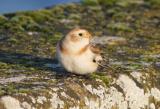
column 129, row 34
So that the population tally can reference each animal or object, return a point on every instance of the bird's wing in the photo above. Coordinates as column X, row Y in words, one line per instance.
column 95, row 49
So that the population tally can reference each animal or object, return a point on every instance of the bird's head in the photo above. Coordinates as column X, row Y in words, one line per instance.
column 76, row 40
column 79, row 36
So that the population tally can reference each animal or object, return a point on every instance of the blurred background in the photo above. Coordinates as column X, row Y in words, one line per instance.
column 8, row 6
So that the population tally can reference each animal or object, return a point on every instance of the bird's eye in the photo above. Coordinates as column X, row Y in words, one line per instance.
column 80, row 34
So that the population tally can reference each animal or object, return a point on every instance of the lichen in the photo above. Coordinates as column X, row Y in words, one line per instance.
column 101, row 77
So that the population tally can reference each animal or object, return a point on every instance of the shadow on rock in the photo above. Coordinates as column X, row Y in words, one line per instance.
column 28, row 60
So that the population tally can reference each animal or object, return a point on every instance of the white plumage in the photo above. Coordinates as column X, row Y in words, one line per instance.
column 75, row 54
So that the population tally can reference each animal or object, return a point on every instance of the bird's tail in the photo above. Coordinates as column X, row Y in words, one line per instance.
column 106, row 65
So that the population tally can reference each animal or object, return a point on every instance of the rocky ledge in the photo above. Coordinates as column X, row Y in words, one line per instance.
column 83, row 93
column 127, row 31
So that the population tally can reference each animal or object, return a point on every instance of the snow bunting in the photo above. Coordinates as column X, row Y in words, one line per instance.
column 76, row 54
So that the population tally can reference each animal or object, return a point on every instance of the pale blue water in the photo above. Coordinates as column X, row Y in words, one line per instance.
column 9, row 6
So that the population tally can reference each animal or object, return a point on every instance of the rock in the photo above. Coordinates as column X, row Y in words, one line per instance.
column 31, row 79
column 13, row 79
column 109, row 40
column 157, row 65
column 79, row 93
column 152, row 106
column 10, row 102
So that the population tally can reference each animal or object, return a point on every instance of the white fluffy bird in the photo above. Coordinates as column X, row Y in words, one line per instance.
column 76, row 54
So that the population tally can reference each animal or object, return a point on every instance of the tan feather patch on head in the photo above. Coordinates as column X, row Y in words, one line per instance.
column 74, row 38
column 85, row 34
